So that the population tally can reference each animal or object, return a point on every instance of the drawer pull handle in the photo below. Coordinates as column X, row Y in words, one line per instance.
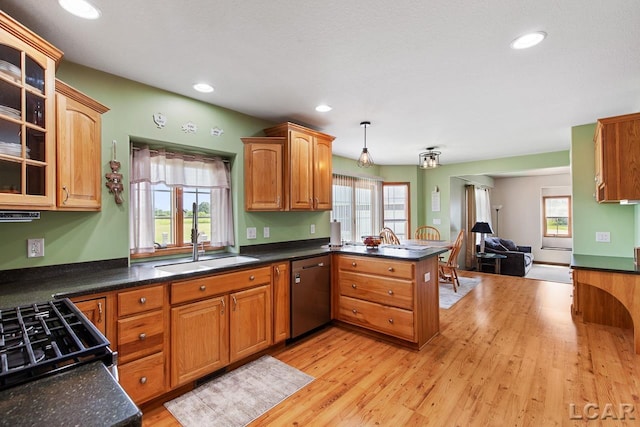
column 143, row 380
column 203, row 288
column 391, row 321
column 390, row 292
column 252, row 277
column 143, row 300
column 142, row 336
column 355, row 311
column 353, row 285
column 390, row 269
column 353, row 264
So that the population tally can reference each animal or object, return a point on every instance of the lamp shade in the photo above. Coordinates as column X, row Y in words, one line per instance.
column 482, row 227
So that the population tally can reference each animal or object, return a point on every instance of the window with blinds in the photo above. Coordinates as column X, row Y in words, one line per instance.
column 357, row 205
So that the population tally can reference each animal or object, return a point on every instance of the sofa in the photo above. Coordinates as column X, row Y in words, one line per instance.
column 519, row 258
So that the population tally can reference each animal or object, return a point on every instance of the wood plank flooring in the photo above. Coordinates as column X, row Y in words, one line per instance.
column 509, row 353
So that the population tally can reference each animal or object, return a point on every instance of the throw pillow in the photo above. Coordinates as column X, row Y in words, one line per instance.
column 492, row 243
column 509, row 244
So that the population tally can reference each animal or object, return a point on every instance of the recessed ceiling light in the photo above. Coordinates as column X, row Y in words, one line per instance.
column 528, row 40
column 323, row 108
column 81, row 8
column 203, row 87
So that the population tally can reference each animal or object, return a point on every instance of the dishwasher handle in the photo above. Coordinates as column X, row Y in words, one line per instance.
column 320, row 264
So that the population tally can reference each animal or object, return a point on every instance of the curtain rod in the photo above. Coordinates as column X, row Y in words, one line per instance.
column 133, row 147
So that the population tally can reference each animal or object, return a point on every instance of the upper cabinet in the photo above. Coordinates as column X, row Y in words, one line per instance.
column 617, row 158
column 27, row 117
column 297, row 179
column 79, row 178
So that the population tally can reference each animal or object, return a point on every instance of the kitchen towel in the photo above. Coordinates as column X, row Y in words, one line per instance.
column 335, row 239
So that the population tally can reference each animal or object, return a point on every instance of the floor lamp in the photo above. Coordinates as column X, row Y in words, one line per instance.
column 497, row 208
column 482, row 228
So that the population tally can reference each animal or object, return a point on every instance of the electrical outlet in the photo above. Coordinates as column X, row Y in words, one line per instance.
column 313, row 229
column 427, row 277
column 35, row 248
column 265, row 232
column 603, row 236
column 251, row 233
column 436, row 221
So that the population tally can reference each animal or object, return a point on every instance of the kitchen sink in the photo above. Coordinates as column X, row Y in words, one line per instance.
column 207, row 264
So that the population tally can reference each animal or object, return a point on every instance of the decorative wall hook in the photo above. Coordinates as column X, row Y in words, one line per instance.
column 114, row 181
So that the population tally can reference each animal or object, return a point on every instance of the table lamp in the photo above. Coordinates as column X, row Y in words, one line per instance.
column 482, row 228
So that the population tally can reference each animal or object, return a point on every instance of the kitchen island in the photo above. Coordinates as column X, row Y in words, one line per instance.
column 606, row 290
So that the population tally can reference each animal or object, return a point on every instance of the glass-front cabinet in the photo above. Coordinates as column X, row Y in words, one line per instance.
column 27, row 117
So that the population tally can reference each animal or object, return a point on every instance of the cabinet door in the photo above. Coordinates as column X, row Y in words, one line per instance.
column 281, row 303
column 95, row 311
column 250, row 322
column 199, row 339
column 78, row 148
column 264, row 173
column 322, row 175
column 301, row 166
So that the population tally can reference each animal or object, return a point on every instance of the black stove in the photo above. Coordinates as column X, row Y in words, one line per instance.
column 46, row 338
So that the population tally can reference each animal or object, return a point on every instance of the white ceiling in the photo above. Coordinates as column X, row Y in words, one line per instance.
column 424, row 72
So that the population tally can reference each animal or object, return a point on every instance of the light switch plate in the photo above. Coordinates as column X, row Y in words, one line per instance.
column 436, row 221
column 251, row 233
column 603, row 236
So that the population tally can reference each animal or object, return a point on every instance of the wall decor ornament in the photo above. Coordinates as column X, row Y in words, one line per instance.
column 189, row 127
column 114, row 178
column 216, row 131
column 160, row 120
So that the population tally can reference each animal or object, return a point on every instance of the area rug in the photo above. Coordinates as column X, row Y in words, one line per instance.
column 550, row 273
column 448, row 298
column 240, row 396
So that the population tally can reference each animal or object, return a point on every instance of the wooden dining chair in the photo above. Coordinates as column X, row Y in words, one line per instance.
column 427, row 232
column 389, row 237
column 448, row 270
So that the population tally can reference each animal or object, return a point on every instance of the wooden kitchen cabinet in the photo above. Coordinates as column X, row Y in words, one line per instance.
column 142, row 330
column 95, row 311
column 281, row 302
column 200, row 339
column 306, row 168
column 395, row 298
column 617, row 158
column 264, row 174
column 27, row 117
column 250, row 323
column 79, row 170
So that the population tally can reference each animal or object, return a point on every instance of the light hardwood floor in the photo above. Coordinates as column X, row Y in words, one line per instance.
column 509, row 353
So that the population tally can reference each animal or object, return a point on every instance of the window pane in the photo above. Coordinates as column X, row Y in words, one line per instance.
column 396, row 209
column 557, row 216
column 202, row 199
column 342, row 203
column 163, row 220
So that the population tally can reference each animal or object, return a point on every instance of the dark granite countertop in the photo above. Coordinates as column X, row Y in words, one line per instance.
column 25, row 287
column 604, row 263
column 84, row 396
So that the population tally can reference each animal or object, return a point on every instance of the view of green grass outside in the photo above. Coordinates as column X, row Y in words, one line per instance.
column 163, row 225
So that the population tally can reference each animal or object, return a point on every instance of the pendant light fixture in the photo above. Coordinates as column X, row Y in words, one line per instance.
column 365, row 160
column 430, row 159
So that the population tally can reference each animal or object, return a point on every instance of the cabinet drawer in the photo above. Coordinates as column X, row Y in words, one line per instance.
column 388, row 320
column 140, row 300
column 144, row 378
column 394, row 292
column 220, row 284
column 377, row 266
column 140, row 336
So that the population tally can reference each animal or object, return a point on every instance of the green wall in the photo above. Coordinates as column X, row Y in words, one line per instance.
column 442, row 175
column 590, row 216
column 89, row 236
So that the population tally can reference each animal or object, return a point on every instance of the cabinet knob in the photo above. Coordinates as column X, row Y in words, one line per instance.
column 143, row 380
column 390, row 292
column 353, row 285
column 142, row 336
column 143, row 300
column 390, row 268
column 353, row 264
column 355, row 311
column 391, row 321
column 252, row 277
column 203, row 288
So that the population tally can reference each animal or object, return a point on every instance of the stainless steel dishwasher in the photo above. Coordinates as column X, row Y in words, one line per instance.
column 310, row 294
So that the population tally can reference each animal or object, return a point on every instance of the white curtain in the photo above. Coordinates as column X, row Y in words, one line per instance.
column 357, row 205
column 176, row 170
column 483, row 206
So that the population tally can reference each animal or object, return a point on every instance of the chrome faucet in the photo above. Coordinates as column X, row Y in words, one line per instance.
column 194, row 233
